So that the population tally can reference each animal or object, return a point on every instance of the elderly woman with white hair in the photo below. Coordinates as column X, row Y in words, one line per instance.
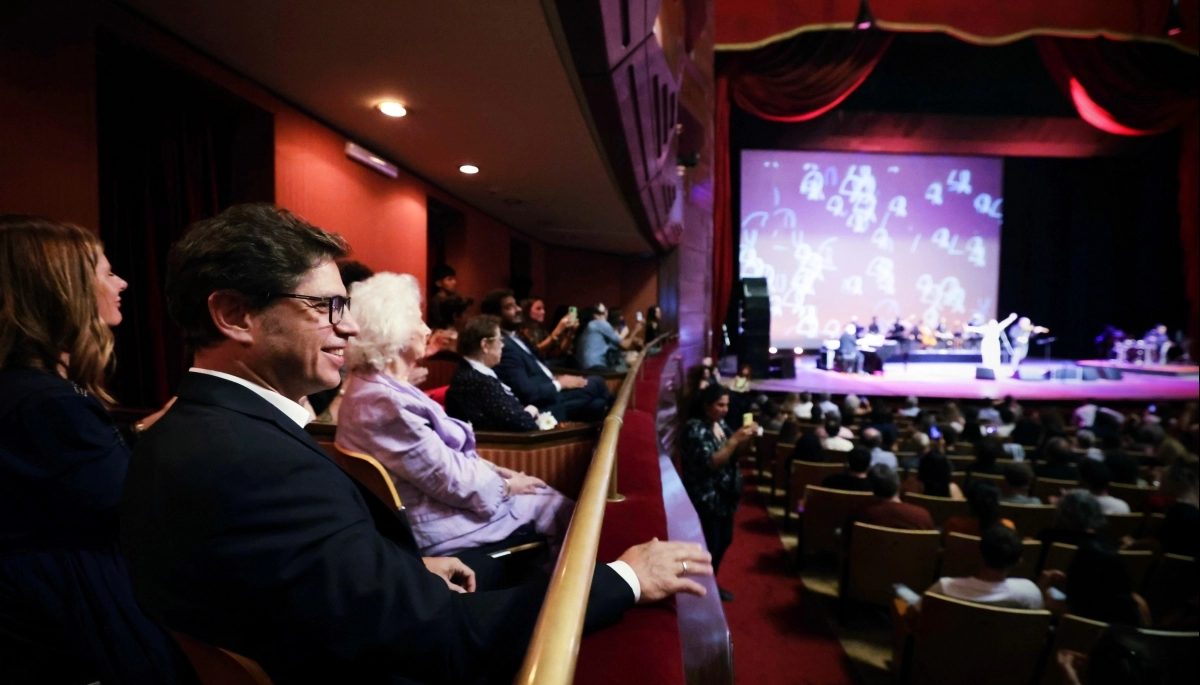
column 454, row 499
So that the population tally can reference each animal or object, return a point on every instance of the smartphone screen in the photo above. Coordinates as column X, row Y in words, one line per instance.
column 934, row 432
column 639, row 317
column 573, row 313
column 747, row 419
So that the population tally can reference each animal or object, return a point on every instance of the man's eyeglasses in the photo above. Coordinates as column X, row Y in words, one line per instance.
column 336, row 304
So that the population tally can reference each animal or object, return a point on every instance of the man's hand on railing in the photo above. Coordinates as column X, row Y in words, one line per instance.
column 660, row 567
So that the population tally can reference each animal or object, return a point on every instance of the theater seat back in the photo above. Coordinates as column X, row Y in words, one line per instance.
column 216, row 666
column 438, row 394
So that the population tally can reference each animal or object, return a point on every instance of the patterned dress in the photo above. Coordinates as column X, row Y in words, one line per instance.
column 713, row 492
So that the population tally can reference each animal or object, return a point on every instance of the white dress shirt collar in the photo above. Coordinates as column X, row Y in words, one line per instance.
column 289, row 408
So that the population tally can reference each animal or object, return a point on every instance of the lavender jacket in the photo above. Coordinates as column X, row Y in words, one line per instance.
column 447, row 490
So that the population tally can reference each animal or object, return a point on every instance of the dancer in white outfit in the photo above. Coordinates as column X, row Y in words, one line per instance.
column 989, row 347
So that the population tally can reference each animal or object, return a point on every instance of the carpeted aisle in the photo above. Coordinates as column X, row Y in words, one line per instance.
column 780, row 636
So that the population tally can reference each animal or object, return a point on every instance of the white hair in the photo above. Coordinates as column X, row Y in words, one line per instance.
column 387, row 308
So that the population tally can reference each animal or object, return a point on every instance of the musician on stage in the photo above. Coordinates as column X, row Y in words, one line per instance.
column 873, row 329
column 989, row 346
column 1159, row 342
column 852, row 359
column 1020, row 335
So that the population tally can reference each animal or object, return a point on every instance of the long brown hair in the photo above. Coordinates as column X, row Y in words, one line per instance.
column 48, row 301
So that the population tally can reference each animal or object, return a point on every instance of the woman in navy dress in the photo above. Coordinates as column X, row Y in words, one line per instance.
column 67, row 612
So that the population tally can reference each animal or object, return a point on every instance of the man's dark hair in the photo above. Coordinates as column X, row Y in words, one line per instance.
column 950, row 435
column 1000, row 547
column 712, row 393
column 474, row 331
column 1006, row 415
column 441, row 271
column 352, row 272
column 1058, row 451
column 770, row 410
column 833, row 424
column 1094, row 475
column 858, row 460
column 493, row 302
column 254, row 250
column 1017, row 475
column 884, row 481
column 983, row 498
column 806, row 396
column 988, row 451
column 1122, row 468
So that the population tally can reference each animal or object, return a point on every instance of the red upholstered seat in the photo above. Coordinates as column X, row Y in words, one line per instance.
column 438, row 394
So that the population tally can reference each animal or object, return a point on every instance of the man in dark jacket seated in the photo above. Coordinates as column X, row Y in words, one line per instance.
column 569, row 398
column 241, row 532
column 854, row 478
column 476, row 394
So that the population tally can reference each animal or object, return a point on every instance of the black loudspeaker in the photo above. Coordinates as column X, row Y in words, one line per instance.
column 1076, row 373
column 984, row 373
column 1031, row 375
column 1090, row 373
column 1110, row 374
column 756, row 326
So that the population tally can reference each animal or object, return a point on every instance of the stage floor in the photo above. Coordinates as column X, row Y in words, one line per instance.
column 957, row 381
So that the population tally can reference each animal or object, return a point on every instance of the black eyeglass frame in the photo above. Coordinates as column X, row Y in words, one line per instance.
column 338, row 304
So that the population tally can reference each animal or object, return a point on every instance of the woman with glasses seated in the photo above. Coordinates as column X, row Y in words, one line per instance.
column 454, row 499
column 476, row 394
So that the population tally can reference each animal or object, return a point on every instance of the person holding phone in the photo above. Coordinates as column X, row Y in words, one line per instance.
column 711, row 474
column 548, row 346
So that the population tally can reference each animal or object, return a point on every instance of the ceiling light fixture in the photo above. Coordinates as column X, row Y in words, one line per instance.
column 391, row 108
column 469, row 169
column 865, row 19
column 1174, row 25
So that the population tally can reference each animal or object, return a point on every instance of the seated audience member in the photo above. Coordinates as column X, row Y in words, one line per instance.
column 873, row 440
column 325, row 404
column 239, row 529
column 653, row 327
column 741, row 382
column 880, row 418
column 1008, row 423
column 1015, row 487
column 809, row 447
column 989, row 415
column 476, row 395
column 1085, row 444
column 445, row 317
column 771, row 419
column 854, row 406
column 971, row 431
column 598, row 347
column 934, row 477
column 555, row 345
column 834, row 440
column 1001, row 550
column 950, row 415
column 1059, row 461
column 710, row 473
column 921, row 445
column 1094, row 477
column 1028, row 430
column 1122, row 656
column 912, row 407
column 983, row 498
column 455, row 499
column 987, row 452
column 803, row 409
column 1077, row 520
column 827, row 406
column 1097, row 585
column 1180, row 531
column 888, row 510
column 1123, row 468
column 568, row 398
column 67, row 609
column 854, row 478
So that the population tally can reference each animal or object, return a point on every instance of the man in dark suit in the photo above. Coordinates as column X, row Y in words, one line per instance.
column 569, row 398
column 476, row 395
column 241, row 532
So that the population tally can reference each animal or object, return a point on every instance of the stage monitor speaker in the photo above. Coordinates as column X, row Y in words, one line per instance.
column 984, row 373
column 1110, row 374
column 1090, row 373
column 1031, row 375
column 756, row 326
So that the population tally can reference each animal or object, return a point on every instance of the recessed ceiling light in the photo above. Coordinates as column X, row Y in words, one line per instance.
column 469, row 169
column 391, row 108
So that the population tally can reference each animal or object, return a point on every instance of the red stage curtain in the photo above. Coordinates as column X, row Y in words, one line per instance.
column 1136, row 89
column 795, row 80
column 750, row 24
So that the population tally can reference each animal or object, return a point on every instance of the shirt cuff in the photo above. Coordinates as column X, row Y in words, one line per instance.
column 623, row 569
column 558, row 387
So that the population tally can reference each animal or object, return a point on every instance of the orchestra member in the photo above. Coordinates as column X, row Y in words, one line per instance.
column 1020, row 335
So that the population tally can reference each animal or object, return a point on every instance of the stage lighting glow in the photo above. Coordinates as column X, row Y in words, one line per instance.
column 772, row 350
column 391, row 108
column 798, row 350
column 1174, row 25
column 469, row 169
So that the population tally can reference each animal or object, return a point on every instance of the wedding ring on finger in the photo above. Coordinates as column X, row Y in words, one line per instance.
column 684, row 567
